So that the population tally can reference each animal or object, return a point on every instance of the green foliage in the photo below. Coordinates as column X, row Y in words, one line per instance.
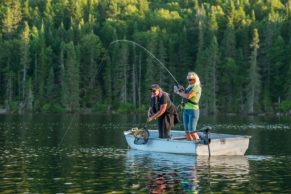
column 13, row 106
column 71, row 78
column 101, row 107
column 55, row 108
column 286, row 106
column 127, row 107
column 90, row 60
column 55, row 55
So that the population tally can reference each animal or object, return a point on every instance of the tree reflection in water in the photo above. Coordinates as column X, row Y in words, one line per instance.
column 165, row 173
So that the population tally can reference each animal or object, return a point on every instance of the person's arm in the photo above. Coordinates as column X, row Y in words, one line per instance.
column 162, row 110
column 150, row 111
column 184, row 95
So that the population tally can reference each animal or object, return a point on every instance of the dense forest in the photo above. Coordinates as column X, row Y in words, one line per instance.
column 56, row 56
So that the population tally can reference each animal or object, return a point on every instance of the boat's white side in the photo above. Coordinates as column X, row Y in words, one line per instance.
column 221, row 144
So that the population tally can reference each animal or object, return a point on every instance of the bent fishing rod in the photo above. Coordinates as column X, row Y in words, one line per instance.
column 148, row 52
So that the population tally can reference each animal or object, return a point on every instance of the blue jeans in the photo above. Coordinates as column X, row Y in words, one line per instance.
column 190, row 119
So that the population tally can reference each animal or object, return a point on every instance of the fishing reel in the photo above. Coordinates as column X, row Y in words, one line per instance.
column 178, row 88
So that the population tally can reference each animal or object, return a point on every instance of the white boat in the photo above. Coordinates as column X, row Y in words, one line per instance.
column 221, row 144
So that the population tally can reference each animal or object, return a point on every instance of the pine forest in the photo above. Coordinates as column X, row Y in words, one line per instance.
column 58, row 56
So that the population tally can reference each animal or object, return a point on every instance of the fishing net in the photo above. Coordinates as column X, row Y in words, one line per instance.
column 141, row 135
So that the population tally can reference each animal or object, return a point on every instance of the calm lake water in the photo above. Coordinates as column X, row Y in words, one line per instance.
column 70, row 153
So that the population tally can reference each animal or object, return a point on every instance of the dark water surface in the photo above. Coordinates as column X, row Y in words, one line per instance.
column 70, row 153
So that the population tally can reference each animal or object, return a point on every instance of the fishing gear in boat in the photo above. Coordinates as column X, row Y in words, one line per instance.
column 141, row 135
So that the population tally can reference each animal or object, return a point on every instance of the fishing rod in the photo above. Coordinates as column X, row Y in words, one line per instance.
column 177, row 85
column 148, row 52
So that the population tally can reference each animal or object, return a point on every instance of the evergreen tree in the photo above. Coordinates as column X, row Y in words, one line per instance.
column 75, row 10
column 134, row 76
column 11, row 19
column 212, row 56
column 34, row 50
column 185, row 61
column 228, row 69
column 278, row 72
column 124, row 70
column 228, row 46
column 271, row 31
column 150, row 76
column 41, row 67
column 26, row 15
column 72, row 77
column 7, row 73
column 254, row 84
column 120, row 68
column 161, row 55
column 200, row 57
column 201, row 26
column 64, row 92
column 48, row 12
column 90, row 57
column 25, row 58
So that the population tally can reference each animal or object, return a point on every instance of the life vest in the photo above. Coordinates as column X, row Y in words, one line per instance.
column 185, row 100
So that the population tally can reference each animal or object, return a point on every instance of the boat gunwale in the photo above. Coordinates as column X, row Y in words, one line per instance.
column 227, row 136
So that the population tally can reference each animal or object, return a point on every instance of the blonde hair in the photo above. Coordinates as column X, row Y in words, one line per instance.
column 194, row 75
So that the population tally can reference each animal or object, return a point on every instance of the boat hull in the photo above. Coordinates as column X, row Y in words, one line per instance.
column 221, row 144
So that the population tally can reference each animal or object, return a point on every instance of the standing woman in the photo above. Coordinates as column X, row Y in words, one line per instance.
column 191, row 96
column 161, row 108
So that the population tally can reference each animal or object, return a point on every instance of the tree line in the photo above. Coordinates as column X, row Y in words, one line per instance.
column 56, row 56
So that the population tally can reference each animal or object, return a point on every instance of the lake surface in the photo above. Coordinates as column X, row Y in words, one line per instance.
column 71, row 153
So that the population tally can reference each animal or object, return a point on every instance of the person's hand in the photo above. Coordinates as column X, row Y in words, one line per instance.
column 150, row 113
column 150, row 119
column 176, row 89
column 180, row 88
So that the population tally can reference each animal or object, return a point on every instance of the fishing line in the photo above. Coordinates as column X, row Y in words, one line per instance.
column 148, row 52
column 67, row 130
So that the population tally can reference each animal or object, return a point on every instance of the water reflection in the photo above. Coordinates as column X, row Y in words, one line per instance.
column 109, row 170
column 165, row 173
column 93, row 158
column 223, row 174
column 172, row 173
